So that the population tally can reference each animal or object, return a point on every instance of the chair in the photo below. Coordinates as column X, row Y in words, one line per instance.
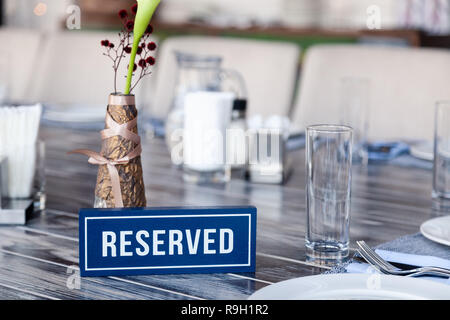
column 73, row 69
column 405, row 84
column 268, row 68
column 20, row 47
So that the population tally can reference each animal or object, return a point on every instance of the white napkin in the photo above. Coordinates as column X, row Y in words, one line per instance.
column 404, row 258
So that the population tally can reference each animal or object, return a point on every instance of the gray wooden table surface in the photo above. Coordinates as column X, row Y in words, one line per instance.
column 37, row 260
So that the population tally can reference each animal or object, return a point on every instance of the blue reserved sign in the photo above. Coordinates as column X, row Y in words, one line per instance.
column 134, row 241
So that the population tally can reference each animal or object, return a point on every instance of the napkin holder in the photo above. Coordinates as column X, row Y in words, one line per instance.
column 268, row 157
column 12, row 211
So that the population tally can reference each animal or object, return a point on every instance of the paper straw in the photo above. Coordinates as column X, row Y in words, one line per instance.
column 19, row 127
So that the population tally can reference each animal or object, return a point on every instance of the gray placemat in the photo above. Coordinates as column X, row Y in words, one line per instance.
column 409, row 161
column 412, row 244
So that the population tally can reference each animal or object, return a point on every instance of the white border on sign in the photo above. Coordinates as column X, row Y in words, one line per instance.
column 169, row 216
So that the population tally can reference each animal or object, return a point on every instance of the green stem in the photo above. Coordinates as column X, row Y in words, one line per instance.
column 146, row 8
column 131, row 67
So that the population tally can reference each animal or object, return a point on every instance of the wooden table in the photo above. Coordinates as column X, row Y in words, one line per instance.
column 37, row 260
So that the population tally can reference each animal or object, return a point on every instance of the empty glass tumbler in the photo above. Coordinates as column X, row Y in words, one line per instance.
column 441, row 171
column 328, row 188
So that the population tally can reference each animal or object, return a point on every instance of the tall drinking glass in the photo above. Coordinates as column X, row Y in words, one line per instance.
column 328, row 165
column 441, row 171
column 354, row 112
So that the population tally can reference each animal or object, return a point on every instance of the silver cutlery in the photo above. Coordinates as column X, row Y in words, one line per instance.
column 385, row 267
column 358, row 258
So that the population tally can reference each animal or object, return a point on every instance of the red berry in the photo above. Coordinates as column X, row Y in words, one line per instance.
column 151, row 46
column 127, row 49
column 134, row 8
column 111, row 45
column 129, row 25
column 134, row 67
column 123, row 14
column 150, row 60
column 142, row 63
column 105, row 43
column 139, row 50
column 149, row 29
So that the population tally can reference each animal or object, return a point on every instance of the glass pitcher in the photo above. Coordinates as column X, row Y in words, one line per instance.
column 196, row 73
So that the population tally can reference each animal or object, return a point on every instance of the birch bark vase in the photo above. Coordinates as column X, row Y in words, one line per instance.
column 121, row 109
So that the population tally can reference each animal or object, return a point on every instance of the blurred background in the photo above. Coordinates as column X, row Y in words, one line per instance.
column 379, row 66
column 296, row 19
column 52, row 54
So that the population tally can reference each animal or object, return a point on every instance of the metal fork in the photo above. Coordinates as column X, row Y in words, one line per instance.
column 385, row 267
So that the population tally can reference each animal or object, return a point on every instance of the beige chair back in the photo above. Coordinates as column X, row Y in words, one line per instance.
column 73, row 69
column 20, row 53
column 405, row 84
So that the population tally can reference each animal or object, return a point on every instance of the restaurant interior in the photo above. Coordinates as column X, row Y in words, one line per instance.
column 330, row 117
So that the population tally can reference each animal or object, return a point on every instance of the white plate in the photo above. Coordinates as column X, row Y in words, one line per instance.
column 354, row 287
column 424, row 151
column 437, row 229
